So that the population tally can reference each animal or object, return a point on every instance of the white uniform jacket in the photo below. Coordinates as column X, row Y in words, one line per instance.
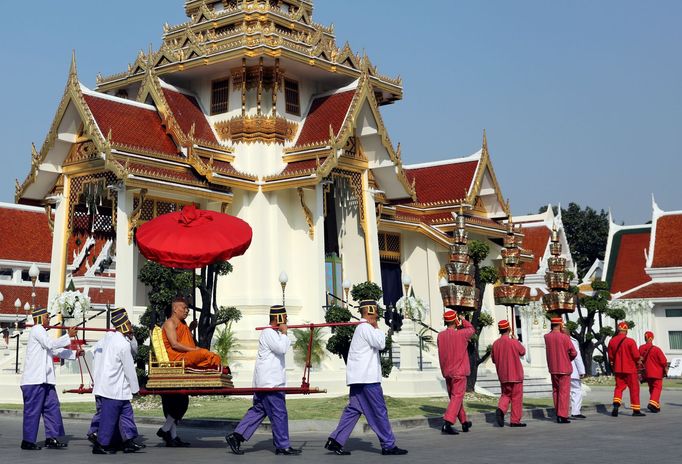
column 578, row 365
column 115, row 377
column 269, row 371
column 38, row 364
column 364, row 365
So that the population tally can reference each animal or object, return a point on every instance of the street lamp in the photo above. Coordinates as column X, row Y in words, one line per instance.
column 33, row 273
column 17, row 305
column 346, row 288
column 283, row 279
column 407, row 281
column 533, row 295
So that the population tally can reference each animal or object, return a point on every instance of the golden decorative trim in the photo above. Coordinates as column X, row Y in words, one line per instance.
column 134, row 218
column 50, row 220
column 308, row 214
column 258, row 128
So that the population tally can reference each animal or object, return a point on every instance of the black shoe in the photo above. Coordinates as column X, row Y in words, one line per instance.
column 638, row 413
column 614, row 413
column 129, row 446
column 99, row 449
column 653, row 409
column 180, row 444
column 53, row 443
column 27, row 445
column 499, row 417
column 578, row 416
column 335, row 447
column 288, row 451
column 395, row 451
column 92, row 437
column 517, row 424
column 563, row 420
column 235, row 441
column 466, row 426
column 165, row 436
column 447, row 429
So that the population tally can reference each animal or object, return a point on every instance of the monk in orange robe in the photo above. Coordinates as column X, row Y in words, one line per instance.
column 179, row 343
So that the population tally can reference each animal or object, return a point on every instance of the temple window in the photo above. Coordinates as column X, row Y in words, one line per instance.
column 220, row 96
column 675, row 312
column 675, row 339
column 6, row 274
column 291, row 97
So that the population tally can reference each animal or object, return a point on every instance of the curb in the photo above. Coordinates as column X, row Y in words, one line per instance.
column 321, row 425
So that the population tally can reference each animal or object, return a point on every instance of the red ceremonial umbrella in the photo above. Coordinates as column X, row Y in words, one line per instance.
column 193, row 238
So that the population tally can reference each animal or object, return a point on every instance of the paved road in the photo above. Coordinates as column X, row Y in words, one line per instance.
column 599, row 438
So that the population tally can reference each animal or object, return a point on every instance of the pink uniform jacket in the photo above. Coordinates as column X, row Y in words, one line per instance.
column 506, row 355
column 452, row 351
column 655, row 362
column 560, row 353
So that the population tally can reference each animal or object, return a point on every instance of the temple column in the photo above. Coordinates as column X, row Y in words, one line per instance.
column 125, row 253
column 60, row 237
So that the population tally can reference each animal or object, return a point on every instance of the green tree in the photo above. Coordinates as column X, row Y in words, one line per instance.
column 478, row 252
column 225, row 343
column 300, row 347
column 586, row 231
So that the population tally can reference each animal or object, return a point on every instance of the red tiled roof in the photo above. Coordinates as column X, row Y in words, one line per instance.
column 187, row 111
column 15, row 226
column 325, row 111
column 10, row 294
column 301, row 167
column 535, row 240
column 146, row 170
column 108, row 295
column 628, row 270
column 131, row 125
column 446, row 182
column 668, row 245
column 657, row 290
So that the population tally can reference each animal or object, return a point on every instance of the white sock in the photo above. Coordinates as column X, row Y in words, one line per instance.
column 170, row 422
column 174, row 431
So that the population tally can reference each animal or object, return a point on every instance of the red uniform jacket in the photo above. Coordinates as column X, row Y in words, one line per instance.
column 506, row 355
column 452, row 351
column 625, row 360
column 655, row 362
column 560, row 353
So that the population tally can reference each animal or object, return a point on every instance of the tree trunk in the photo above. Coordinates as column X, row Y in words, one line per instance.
column 472, row 348
column 207, row 319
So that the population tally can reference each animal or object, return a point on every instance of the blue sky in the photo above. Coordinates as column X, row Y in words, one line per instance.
column 581, row 100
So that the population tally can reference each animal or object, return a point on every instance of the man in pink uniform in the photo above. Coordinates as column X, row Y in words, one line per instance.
column 560, row 353
column 454, row 365
column 506, row 354
column 624, row 358
column 655, row 368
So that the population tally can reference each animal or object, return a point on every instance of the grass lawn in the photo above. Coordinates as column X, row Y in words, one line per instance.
column 225, row 408
column 607, row 381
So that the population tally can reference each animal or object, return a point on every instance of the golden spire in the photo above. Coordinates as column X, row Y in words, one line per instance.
column 73, row 70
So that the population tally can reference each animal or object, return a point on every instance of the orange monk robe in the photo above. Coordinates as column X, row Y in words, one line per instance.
column 199, row 359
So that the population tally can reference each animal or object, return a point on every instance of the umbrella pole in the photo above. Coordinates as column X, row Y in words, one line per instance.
column 194, row 299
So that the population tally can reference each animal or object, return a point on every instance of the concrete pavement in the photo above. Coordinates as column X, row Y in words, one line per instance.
column 599, row 438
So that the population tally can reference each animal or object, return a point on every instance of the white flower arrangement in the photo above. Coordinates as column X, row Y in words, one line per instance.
column 70, row 304
column 412, row 307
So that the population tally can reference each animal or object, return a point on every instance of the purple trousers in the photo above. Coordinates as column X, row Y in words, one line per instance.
column 41, row 400
column 94, row 423
column 116, row 418
column 367, row 399
column 273, row 405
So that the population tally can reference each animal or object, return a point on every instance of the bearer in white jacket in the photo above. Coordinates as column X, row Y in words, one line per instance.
column 363, row 375
column 268, row 373
column 576, row 384
column 115, row 384
column 38, row 383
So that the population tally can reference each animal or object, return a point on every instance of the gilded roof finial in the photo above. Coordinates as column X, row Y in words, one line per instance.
column 73, row 70
column 484, row 146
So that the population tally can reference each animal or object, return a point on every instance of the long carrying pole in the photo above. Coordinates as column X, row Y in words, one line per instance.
column 84, row 329
column 312, row 326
